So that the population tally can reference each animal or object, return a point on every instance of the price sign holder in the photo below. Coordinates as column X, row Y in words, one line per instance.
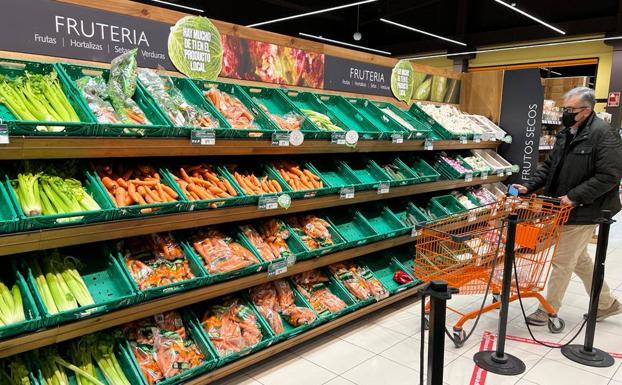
column 428, row 145
column 203, row 137
column 346, row 193
column 383, row 187
column 338, row 137
column 280, row 139
column 277, row 268
column 397, row 138
column 268, row 203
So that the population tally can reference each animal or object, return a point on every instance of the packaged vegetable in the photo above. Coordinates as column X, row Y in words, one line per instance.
column 221, row 253
column 203, row 182
column 252, row 184
column 156, row 260
column 93, row 90
column 400, row 277
column 297, row 177
column 321, row 121
column 289, row 121
column 275, row 300
column 359, row 280
column 312, row 230
column 312, row 285
column 231, row 108
column 231, row 326
column 275, row 233
column 267, row 253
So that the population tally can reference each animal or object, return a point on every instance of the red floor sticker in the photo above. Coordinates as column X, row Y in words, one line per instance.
column 479, row 375
column 532, row 342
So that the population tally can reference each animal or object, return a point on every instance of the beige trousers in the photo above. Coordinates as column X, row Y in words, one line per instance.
column 572, row 257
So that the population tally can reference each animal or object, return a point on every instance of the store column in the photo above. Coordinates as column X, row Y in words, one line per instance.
column 614, row 107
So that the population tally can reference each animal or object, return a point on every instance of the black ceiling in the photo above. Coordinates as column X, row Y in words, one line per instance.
column 476, row 22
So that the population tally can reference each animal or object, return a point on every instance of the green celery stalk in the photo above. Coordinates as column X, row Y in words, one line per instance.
column 18, row 307
column 44, row 289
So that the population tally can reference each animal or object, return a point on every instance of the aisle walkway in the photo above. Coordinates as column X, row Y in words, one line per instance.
column 383, row 348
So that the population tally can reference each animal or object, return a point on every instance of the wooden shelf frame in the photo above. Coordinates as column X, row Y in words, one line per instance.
column 109, row 147
column 67, row 331
column 73, row 235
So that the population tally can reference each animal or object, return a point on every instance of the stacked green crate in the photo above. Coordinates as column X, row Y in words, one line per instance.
column 397, row 170
column 445, row 168
column 422, row 169
column 385, row 267
column 315, row 244
column 384, row 221
column 367, row 172
column 351, row 116
column 444, row 205
column 319, row 114
column 419, row 129
column 334, row 173
column 379, row 119
column 353, row 227
column 440, row 132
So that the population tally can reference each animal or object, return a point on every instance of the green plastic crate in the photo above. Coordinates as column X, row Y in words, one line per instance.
column 259, row 171
column 195, row 333
column 13, row 68
column 159, row 124
column 104, row 280
column 195, row 266
column 379, row 119
column 335, row 287
column 194, row 98
column 444, row 205
column 384, row 221
column 396, row 165
column 142, row 210
column 422, row 128
column 359, row 302
column 476, row 172
column 27, row 223
column 309, row 101
column 440, row 132
column 267, row 336
column 189, row 250
column 32, row 315
column 351, row 116
column 367, row 171
column 294, row 194
column 263, row 128
column 8, row 216
column 405, row 255
column 277, row 103
column 334, row 173
column 215, row 203
column 449, row 172
column 420, row 215
column 338, row 242
column 384, row 267
column 424, row 172
column 353, row 227
column 297, row 249
column 289, row 330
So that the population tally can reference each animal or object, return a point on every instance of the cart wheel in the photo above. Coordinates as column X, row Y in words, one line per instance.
column 556, row 325
column 459, row 338
column 426, row 322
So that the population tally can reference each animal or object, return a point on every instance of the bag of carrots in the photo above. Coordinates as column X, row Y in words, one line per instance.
column 290, row 121
column 202, row 182
column 359, row 280
column 252, row 184
column 296, row 177
column 156, row 260
column 135, row 185
column 312, row 230
column 221, row 253
column 231, row 326
column 312, row 285
column 231, row 109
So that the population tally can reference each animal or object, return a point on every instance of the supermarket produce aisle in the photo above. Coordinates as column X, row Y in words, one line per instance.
column 383, row 348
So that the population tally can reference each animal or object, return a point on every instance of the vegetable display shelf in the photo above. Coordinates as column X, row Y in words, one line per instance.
column 13, row 68
column 418, row 127
column 379, row 119
column 73, row 235
column 353, row 227
column 8, row 214
column 351, row 116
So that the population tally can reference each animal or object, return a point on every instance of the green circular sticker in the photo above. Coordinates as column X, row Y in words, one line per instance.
column 284, row 201
column 402, row 81
column 195, row 48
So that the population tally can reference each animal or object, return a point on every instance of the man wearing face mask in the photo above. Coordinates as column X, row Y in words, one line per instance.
column 584, row 170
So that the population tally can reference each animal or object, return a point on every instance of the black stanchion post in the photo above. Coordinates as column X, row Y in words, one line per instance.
column 587, row 354
column 439, row 293
column 498, row 361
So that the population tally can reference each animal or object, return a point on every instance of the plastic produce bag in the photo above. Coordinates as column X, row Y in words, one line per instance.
column 93, row 89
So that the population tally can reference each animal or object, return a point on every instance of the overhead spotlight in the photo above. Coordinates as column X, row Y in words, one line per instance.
column 357, row 36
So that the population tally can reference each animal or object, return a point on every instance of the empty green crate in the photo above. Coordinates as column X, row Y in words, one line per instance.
column 195, row 333
column 159, row 125
column 32, row 316
column 425, row 173
column 296, row 248
column 8, row 213
column 384, row 267
column 397, row 166
column 421, row 129
column 289, row 330
column 13, row 68
column 306, row 193
column 195, row 266
column 384, row 221
column 351, row 116
column 379, row 119
column 187, row 245
column 444, row 205
column 338, row 241
column 353, row 227
column 441, row 132
column 419, row 215
column 367, row 172
column 334, row 173
column 309, row 101
column 262, row 127
column 405, row 255
column 267, row 336
column 103, row 277
column 27, row 223
column 278, row 104
column 335, row 287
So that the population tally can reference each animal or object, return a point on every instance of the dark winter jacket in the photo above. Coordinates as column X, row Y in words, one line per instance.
column 588, row 171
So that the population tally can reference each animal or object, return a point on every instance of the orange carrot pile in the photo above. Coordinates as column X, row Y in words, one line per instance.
column 201, row 182
column 231, row 108
column 221, row 253
column 297, row 178
column 253, row 185
column 135, row 185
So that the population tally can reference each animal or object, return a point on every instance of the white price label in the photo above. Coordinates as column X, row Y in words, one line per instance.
column 338, row 138
column 383, row 187
column 484, row 175
column 277, row 268
column 397, row 138
column 291, row 259
column 280, row 139
column 4, row 134
column 203, row 137
column 346, row 193
column 268, row 203
column 428, row 145
column 501, row 174
column 463, row 140
column 468, row 177
column 477, row 138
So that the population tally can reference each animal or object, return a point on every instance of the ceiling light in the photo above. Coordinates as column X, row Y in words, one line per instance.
column 423, row 32
column 551, row 71
column 513, row 48
column 513, row 8
column 311, row 13
column 343, row 43
column 178, row 5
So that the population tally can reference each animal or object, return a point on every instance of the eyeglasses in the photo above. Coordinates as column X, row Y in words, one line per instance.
column 572, row 109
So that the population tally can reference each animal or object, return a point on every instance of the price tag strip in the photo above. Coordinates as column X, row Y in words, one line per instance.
column 428, row 145
column 484, row 175
column 397, row 138
column 463, row 140
column 268, row 203
column 383, row 187
column 277, row 268
column 346, row 193
column 338, row 138
column 468, row 177
column 280, row 139
column 203, row 137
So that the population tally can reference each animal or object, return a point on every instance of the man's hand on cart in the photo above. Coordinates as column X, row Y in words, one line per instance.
column 566, row 201
column 521, row 189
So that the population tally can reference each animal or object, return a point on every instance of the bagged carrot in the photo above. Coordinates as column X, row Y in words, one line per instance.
column 266, row 252
column 312, row 230
column 312, row 285
column 274, row 232
column 359, row 280
column 220, row 253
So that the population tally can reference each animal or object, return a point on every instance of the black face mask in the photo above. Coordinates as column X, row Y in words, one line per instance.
column 568, row 119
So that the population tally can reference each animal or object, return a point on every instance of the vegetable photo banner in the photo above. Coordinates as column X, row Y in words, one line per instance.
column 195, row 48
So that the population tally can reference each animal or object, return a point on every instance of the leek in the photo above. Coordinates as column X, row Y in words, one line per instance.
column 44, row 289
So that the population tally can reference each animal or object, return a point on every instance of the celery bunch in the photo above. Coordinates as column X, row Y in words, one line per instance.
column 13, row 371
column 97, row 348
column 11, row 307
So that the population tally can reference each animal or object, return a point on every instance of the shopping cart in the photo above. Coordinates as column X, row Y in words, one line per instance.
column 467, row 250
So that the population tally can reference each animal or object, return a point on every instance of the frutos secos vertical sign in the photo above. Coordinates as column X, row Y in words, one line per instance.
column 195, row 48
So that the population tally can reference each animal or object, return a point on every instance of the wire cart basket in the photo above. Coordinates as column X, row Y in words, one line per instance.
column 467, row 250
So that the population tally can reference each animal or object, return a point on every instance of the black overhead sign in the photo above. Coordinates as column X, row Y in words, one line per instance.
column 53, row 28
column 354, row 76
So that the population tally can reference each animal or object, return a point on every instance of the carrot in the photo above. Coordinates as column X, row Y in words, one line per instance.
column 311, row 175
column 150, row 183
column 109, row 183
column 148, row 198
column 230, row 188
column 164, row 196
column 121, row 182
column 277, row 186
column 152, row 194
column 215, row 190
column 296, row 171
column 211, row 177
column 200, row 192
column 170, row 191
column 120, row 194
column 184, row 175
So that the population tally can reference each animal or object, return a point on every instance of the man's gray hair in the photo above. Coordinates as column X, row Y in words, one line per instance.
column 585, row 94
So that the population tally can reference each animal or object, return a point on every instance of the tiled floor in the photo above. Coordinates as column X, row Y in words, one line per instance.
column 383, row 348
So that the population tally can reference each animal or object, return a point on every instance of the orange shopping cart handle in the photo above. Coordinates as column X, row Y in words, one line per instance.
column 543, row 198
